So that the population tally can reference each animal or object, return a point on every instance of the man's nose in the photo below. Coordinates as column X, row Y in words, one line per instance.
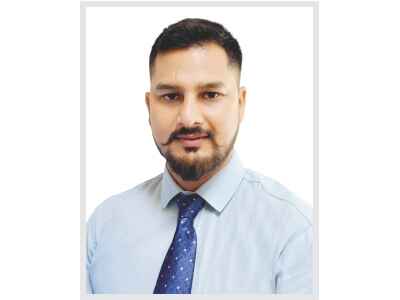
column 190, row 113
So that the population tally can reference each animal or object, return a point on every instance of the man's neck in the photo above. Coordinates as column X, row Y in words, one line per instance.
column 192, row 186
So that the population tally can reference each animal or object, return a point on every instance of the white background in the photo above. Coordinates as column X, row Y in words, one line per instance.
column 276, row 136
column 359, row 149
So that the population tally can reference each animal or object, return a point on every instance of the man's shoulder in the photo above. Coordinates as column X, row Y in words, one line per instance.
column 124, row 199
column 279, row 197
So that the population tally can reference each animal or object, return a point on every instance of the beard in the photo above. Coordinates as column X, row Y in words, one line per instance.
column 198, row 167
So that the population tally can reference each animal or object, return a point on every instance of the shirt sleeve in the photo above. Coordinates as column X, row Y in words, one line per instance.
column 295, row 265
column 89, row 289
column 90, row 249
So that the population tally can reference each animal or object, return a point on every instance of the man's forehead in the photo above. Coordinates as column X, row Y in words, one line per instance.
column 195, row 53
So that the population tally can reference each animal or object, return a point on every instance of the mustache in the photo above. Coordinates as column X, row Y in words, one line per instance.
column 186, row 130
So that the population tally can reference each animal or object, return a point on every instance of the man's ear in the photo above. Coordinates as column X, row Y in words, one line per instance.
column 147, row 99
column 242, row 102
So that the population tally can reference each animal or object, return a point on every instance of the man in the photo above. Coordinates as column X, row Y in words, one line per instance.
column 207, row 224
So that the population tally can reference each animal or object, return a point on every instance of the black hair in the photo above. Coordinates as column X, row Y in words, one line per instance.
column 190, row 32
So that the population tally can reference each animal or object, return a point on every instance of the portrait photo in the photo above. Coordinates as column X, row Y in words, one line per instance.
column 199, row 152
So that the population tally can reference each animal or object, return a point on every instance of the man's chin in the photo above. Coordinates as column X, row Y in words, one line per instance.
column 192, row 166
column 190, row 159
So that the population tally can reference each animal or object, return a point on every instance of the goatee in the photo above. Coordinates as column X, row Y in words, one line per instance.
column 197, row 168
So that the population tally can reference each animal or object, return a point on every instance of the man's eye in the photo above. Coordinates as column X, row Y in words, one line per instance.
column 170, row 97
column 211, row 95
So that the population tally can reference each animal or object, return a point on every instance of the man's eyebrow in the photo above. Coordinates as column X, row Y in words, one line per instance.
column 165, row 86
column 212, row 85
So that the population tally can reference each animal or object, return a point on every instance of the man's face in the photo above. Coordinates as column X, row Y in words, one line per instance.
column 195, row 108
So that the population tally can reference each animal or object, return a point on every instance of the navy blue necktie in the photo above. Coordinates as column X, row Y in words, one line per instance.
column 176, row 272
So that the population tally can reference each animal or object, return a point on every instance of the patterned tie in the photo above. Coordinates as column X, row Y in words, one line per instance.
column 176, row 272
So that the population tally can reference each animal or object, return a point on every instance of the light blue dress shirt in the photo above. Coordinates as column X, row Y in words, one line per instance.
column 253, row 236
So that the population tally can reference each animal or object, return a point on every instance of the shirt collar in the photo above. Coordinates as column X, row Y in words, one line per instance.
column 217, row 191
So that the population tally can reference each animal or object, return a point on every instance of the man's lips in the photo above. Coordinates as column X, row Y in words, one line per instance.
column 192, row 136
column 191, row 140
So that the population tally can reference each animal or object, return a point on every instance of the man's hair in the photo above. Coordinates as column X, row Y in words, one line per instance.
column 190, row 32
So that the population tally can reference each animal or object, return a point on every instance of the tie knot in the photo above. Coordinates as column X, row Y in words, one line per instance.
column 189, row 205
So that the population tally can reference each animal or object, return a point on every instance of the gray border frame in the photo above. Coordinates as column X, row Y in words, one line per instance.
column 86, row 4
